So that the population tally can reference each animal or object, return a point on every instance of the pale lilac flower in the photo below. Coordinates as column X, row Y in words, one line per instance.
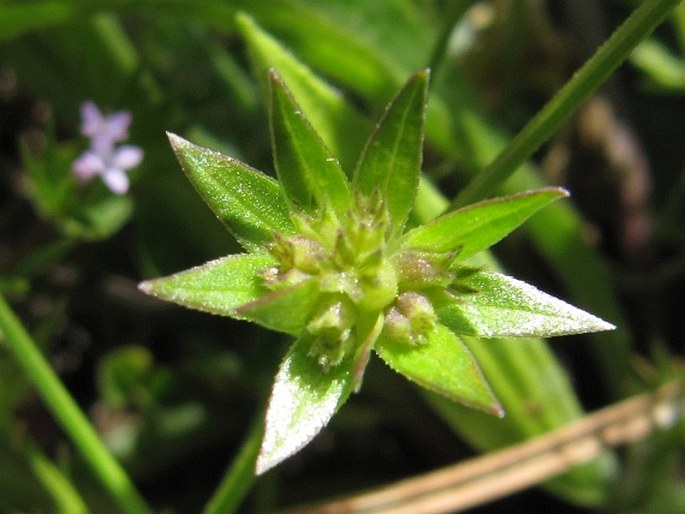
column 104, row 158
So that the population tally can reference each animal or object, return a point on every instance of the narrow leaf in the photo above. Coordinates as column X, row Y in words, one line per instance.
column 504, row 307
column 444, row 365
column 287, row 310
column 481, row 225
column 311, row 177
column 303, row 400
column 218, row 287
column 249, row 203
column 391, row 160
column 338, row 122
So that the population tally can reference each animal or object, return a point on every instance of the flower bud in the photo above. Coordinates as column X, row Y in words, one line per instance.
column 411, row 318
column 331, row 331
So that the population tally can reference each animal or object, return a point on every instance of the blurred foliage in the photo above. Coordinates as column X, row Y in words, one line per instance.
column 173, row 392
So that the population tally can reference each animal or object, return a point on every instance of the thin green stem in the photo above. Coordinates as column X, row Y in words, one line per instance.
column 72, row 419
column 585, row 82
column 451, row 17
column 66, row 499
column 679, row 26
column 240, row 476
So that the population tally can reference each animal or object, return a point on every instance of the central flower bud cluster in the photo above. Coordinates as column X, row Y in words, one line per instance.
column 359, row 274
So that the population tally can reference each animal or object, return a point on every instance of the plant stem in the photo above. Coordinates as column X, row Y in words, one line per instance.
column 240, row 476
column 585, row 82
column 72, row 419
column 65, row 498
column 454, row 12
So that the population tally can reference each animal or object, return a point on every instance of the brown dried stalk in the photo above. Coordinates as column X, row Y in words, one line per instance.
column 487, row 478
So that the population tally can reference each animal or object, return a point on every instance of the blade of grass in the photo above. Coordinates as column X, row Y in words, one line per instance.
column 585, row 82
column 70, row 416
column 65, row 498
column 240, row 475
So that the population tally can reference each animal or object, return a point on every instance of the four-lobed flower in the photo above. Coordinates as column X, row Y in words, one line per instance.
column 104, row 158
column 334, row 260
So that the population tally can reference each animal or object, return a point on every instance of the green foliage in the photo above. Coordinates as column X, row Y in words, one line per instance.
column 347, row 281
column 239, row 195
column 350, row 248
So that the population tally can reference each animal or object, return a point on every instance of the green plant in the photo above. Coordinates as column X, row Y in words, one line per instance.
column 344, row 262
column 331, row 261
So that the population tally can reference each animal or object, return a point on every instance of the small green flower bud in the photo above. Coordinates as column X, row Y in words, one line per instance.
column 331, row 329
column 397, row 326
column 411, row 318
column 297, row 252
column 417, row 269
column 379, row 290
column 419, row 310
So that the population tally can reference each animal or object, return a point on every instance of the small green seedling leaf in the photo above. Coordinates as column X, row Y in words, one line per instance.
column 310, row 176
column 477, row 227
column 218, row 287
column 506, row 307
column 286, row 310
column 391, row 160
column 442, row 364
column 248, row 202
column 302, row 402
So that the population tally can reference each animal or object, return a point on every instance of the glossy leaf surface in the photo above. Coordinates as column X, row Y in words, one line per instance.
column 302, row 402
column 444, row 365
column 287, row 310
column 391, row 160
column 250, row 203
column 218, row 286
column 504, row 306
column 479, row 226
column 310, row 176
column 339, row 123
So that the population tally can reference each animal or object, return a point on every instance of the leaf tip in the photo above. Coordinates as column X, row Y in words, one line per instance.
column 562, row 192
column 177, row 143
column 244, row 20
column 274, row 77
column 266, row 461
column 146, row 287
column 604, row 326
column 423, row 73
column 497, row 410
column 262, row 465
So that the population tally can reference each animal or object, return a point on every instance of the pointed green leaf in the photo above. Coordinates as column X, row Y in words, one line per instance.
column 303, row 400
column 311, row 177
column 218, row 287
column 444, row 365
column 479, row 226
column 286, row 310
column 249, row 203
column 504, row 307
column 391, row 160
column 338, row 122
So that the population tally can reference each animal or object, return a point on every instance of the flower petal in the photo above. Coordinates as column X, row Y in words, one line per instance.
column 91, row 119
column 116, row 180
column 127, row 157
column 116, row 125
column 87, row 166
